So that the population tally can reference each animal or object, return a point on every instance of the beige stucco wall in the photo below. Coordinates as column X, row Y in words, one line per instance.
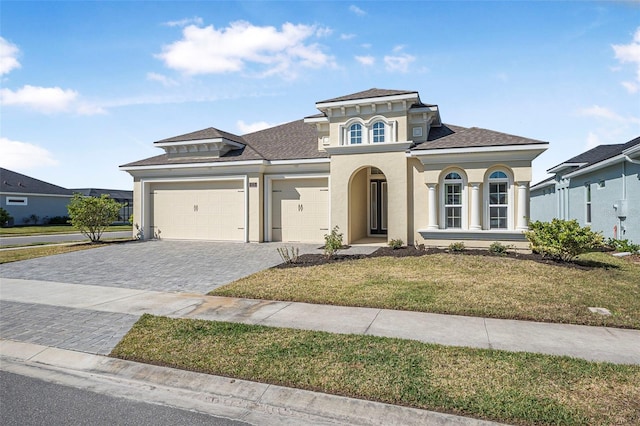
column 256, row 202
column 418, row 202
column 394, row 167
column 359, row 206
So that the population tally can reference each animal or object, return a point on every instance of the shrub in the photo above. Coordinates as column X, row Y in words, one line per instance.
column 457, row 247
column 623, row 245
column 499, row 249
column 562, row 239
column 396, row 244
column 332, row 242
column 289, row 257
column 59, row 220
column 5, row 217
column 92, row 215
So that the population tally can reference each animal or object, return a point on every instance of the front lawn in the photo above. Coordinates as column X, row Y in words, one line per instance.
column 52, row 229
column 17, row 254
column 517, row 388
column 484, row 286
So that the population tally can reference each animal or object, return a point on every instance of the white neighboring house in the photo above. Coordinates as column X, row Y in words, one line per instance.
column 599, row 188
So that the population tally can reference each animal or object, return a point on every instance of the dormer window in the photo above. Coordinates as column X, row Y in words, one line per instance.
column 355, row 134
column 378, row 132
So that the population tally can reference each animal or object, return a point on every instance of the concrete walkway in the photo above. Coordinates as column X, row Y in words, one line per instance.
column 115, row 309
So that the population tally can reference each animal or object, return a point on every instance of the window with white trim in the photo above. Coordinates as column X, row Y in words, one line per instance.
column 378, row 132
column 498, row 200
column 16, row 201
column 453, row 200
column 587, row 187
column 355, row 134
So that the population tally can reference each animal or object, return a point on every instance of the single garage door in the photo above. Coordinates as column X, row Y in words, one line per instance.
column 199, row 210
column 300, row 210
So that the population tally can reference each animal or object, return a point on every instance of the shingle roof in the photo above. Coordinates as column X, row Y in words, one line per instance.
column 208, row 133
column 449, row 136
column 371, row 93
column 11, row 181
column 600, row 153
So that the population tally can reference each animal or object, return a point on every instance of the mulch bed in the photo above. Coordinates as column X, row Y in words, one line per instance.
column 320, row 259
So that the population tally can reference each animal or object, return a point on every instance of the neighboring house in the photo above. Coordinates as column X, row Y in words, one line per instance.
column 123, row 197
column 379, row 164
column 599, row 188
column 31, row 200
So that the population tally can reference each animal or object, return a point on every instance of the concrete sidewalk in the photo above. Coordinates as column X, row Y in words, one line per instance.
column 591, row 343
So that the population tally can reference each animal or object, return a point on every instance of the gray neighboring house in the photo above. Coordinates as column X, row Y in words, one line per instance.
column 25, row 198
column 121, row 196
column 599, row 188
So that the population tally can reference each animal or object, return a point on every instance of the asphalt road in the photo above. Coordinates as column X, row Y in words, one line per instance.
column 56, row 238
column 27, row 401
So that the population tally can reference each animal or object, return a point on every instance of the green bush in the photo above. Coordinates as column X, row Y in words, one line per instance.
column 332, row 242
column 562, row 239
column 499, row 249
column 5, row 217
column 457, row 247
column 396, row 244
column 623, row 245
column 58, row 220
column 92, row 215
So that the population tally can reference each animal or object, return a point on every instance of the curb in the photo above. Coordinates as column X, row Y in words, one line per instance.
column 251, row 402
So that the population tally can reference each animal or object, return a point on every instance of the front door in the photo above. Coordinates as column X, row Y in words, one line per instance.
column 378, row 207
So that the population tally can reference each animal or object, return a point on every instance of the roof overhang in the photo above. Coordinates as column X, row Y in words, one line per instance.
column 315, row 120
column 214, row 147
column 565, row 166
column 509, row 152
column 597, row 166
column 364, row 101
column 368, row 148
column 543, row 184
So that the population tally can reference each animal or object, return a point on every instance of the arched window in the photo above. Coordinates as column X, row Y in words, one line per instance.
column 498, row 200
column 453, row 200
column 355, row 134
column 378, row 131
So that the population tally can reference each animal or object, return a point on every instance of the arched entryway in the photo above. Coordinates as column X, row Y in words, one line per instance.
column 368, row 204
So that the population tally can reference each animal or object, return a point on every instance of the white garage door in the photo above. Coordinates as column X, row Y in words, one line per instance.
column 199, row 210
column 300, row 210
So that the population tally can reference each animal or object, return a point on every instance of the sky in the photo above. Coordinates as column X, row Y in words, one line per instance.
column 87, row 86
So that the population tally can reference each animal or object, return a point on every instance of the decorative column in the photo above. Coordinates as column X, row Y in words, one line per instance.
column 523, row 210
column 433, row 210
column 475, row 207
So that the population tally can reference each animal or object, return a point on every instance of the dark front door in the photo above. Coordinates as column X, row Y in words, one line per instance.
column 378, row 207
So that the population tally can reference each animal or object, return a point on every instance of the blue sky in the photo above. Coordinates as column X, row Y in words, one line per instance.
column 88, row 86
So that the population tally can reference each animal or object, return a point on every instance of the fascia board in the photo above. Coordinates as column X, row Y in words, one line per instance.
column 543, row 184
column 468, row 155
column 33, row 194
column 312, row 120
column 376, row 100
column 597, row 166
column 480, row 149
column 564, row 166
column 368, row 148
column 195, row 165
column 305, row 161
column 633, row 150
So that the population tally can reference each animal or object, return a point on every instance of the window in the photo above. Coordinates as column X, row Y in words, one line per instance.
column 587, row 188
column 602, row 184
column 16, row 201
column 417, row 132
column 453, row 200
column 355, row 134
column 498, row 200
column 378, row 132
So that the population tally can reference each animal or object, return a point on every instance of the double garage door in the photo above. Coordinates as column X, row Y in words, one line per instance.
column 199, row 210
column 215, row 210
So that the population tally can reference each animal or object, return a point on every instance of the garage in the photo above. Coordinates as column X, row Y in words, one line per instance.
column 300, row 210
column 209, row 210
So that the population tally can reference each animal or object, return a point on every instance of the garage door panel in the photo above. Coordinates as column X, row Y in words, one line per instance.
column 199, row 210
column 300, row 210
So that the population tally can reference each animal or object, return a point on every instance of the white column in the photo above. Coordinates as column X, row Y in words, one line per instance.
column 433, row 210
column 523, row 202
column 475, row 206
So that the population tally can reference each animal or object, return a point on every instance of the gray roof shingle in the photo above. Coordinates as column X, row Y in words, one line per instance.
column 11, row 181
column 600, row 153
column 370, row 93
column 208, row 133
column 448, row 136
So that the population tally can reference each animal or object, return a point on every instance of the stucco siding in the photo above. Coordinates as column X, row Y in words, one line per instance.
column 544, row 204
column 42, row 206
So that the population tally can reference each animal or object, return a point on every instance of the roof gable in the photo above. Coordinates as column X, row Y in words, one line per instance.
column 370, row 93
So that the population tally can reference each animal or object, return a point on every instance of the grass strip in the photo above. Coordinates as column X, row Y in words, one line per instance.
column 518, row 388
column 52, row 229
column 482, row 286
column 17, row 254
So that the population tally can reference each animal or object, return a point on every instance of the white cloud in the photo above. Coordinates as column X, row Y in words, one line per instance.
column 163, row 79
column 252, row 127
column 607, row 114
column 355, row 9
column 8, row 56
column 43, row 99
column 23, row 155
column 347, row 36
column 626, row 53
column 398, row 48
column 398, row 63
column 324, row 32
column 196, row 20
column 210, row 51
column 366, row 60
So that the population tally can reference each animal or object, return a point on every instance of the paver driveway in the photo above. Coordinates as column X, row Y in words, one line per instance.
column 186, row 266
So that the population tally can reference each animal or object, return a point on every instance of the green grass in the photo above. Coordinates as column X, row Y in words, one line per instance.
column 52, row 229
column 518, row 388
column 495, row 287
column 32, row 252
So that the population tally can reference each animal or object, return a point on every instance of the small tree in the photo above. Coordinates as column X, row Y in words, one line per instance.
column 562, row 239
column 92, row 215
column 5, row 217
column 332, row 242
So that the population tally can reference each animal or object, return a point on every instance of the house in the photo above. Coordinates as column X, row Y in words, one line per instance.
column 599, row 188
column 123, row 197
column 30, row 200
column 379, row 164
